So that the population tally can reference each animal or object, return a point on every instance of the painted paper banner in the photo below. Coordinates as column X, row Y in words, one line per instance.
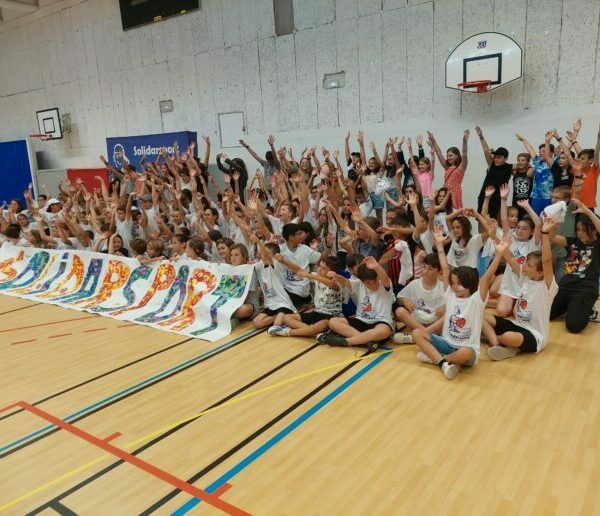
column 193, row 298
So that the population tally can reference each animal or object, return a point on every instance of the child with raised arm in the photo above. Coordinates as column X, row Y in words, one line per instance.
column 465, row 247
column 537, row 289
column 542, row 173
column 373, row 323
column 455, row 167
column 328, row 301
column 578, row 288
column 465, row 299
column 270, row 273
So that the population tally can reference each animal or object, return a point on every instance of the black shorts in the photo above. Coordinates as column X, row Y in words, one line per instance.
column 299, row 301
column 362, row 326
column 270, row 313
column 314, row 317
column 503, row 325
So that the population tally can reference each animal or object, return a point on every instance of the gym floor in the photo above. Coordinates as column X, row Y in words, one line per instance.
column 154, row 422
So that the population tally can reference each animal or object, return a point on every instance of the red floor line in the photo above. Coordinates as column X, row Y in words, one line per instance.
column 95, row 329
column 127, row 325
column 60, row 335
column 49, row 323
column 111, row 437
column 22, row 342
column 209, row 498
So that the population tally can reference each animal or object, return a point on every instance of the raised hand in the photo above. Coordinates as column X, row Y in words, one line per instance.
column 243, row 143
column 419, row 140
column 413, row 199
column 329, row 240
column 502, row 244
column 401, row 141
column 549, row 224
column 555, row 134
column 581, row 208
column 271, row 140
column 206, row 139
column 438, row 235
column 523, row 203
column 479, row 131
column 548, row 136
column 577, row 125
column 360, row 137
column 372, row 146
column 466, row 134
column 348, row 135
column 489, row 190
column 357, row 215
column 336, row 154
column 400, row 169
column 430, row 136
column 504, row 191
column 520, row 137
column 571, row 136
column 371, row 263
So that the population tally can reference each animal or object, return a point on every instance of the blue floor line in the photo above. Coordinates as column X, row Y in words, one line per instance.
column 125, row 391
column 243, row 464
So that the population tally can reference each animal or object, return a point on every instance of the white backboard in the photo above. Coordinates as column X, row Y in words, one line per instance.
column 486, row 56
column 49, row 123
column 231, row 128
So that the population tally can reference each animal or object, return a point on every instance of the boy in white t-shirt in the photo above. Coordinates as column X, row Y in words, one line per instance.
column 465, row 299
column 374, row 297
column 328, row 302
column 422, row 300
column 269, row 273
column 528, row 333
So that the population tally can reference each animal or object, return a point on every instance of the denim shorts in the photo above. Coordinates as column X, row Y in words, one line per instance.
column 377, row 200
column 445, row 348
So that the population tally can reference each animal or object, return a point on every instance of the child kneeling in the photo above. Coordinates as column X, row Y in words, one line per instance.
column 465, row 299
column 373, row 323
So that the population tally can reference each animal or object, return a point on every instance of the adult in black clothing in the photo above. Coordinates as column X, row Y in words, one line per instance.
column 234, row 165
column 498, row 173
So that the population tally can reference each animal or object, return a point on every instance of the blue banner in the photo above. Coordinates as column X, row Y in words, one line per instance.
column 132, row 149
column 15, row 172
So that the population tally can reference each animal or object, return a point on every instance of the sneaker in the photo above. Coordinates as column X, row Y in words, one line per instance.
column 279, row 331
column 501, row 352
column 594, row 316
column 321, row 336
column 450, row 370
column 424, row 358
column 372, row 347
column 402, row 338
column 333, row 339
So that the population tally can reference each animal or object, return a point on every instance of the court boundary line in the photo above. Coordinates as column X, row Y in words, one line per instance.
column 83, row 483
column 123, row 394
column 270, row 443
column 143, row 465
column 21, row 308
column 40, row 325
column 93, row 462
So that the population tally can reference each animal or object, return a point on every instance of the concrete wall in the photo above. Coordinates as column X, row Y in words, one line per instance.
column 73, row 54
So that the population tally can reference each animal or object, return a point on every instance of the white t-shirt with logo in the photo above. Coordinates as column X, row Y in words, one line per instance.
column 270, row 280
column 463, row 320
column 124, row 228
column 303, row 256
column 328, row 300
column 467, row 256
column 424, row 299
column 532, row 308
column 511, row 282
column 372, row 306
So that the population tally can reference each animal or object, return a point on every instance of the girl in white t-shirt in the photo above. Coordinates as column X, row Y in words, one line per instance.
column 238, row 255
column 460, row 328
column 465, row 247
column 328, row 301
column 373, row 323
column 528, row 333
column 526, row 237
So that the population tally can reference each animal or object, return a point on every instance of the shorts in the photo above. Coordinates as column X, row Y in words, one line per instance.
column 314, row 317
column 377, row 200
column 363, row 326
column 539, row 204
column 504, row 325
column 280, row 310
column 299, row 301
column 445, row 348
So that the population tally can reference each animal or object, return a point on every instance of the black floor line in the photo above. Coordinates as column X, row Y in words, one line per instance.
column 154, row 507
column 170, row 432
column 103, row 375
column 125, row 396
column 21, row 308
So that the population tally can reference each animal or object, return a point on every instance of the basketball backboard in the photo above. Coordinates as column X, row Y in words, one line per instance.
column 49, row 123
column 488, row 56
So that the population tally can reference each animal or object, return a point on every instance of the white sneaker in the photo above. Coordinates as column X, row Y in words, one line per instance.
column 402, row 338
column 279, row 331
column 450, row 370
column 501, row 352
column 424, row 358
column 594, row 316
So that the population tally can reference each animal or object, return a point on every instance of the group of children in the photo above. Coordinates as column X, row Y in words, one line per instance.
column 346, row 253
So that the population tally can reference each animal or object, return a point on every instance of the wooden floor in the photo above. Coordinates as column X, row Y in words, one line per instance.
column 309, row 429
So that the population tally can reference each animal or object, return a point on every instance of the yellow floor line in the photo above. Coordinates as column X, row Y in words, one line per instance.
column 228, row 403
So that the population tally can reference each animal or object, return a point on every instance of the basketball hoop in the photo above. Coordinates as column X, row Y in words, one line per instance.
column 42, row 137
column 482, row 86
